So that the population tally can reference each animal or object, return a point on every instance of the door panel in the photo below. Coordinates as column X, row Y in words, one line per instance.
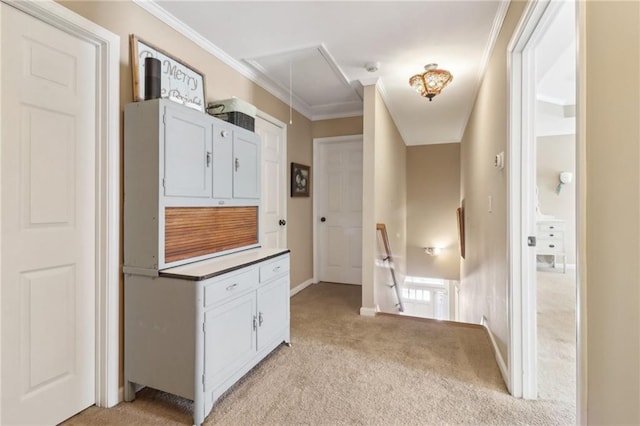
column 47, row 221
column 340, row 204
column 187, row 155
column 222, row 161
column 274, row 184
column 246, row 167
column 272, row 311
column 229, row 339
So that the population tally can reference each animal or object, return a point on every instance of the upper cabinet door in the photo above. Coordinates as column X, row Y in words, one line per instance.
column 187, row 154
column 222, row 160
column 246, row 165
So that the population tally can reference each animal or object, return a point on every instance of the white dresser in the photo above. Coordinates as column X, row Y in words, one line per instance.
column 551, row 240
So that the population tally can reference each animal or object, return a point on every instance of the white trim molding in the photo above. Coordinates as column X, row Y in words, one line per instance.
column 502, row 365
column 368, row 312
column 251, row 71
column 297, row 289
column 521, row 195
column 493, row 38
column 107, row 47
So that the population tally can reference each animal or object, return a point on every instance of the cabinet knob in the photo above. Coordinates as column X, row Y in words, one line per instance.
column 208, row 158
column 282, row 222
column 276, row 269
column 237, row 164
column 224, row 133
column 260, row 319
column 232, row 286
column 323, row 219
column 551, row 245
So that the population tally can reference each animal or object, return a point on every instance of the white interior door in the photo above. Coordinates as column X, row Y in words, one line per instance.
column 48, row 195
column 339, row 211
column 274, row 182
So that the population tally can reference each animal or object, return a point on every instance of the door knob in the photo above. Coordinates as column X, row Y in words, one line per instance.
column 282, row 222
column 323, row 219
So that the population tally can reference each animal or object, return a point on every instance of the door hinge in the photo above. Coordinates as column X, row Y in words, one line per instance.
column 163, row 183
column 164, row 119
column 204, row 381
column 531, row 241
column 255, row 323
column 204, row 327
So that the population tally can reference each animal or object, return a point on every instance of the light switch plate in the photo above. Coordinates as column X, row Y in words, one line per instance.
column 498, row 161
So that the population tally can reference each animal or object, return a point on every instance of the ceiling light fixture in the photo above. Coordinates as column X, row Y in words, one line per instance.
column 372, row 66
column 431, row 82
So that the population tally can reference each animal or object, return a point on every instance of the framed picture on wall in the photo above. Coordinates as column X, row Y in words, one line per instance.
column 300, row 180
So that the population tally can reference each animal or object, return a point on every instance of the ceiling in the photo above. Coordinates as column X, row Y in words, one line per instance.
column 555, row 54
column 320, row 49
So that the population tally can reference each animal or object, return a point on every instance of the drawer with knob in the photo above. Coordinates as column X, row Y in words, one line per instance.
column 550, row 226
column 275, row 268
column 551, row 235
column 230, row 285
column 550, row 247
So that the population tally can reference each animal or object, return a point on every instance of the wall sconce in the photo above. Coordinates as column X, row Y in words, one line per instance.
column 564, row 178
column 432, row 251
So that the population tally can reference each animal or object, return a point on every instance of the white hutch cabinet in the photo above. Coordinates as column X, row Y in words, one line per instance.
column 203, row 302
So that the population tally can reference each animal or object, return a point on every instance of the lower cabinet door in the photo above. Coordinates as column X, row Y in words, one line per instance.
column 229, row 339
column 273, row 309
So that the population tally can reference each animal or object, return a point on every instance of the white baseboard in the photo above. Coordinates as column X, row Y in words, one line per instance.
column 297, row 289
column 502, row 365
column 368, row 312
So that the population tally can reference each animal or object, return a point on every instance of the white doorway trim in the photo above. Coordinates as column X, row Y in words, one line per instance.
column 315, row 188
column 522, row 362
column 107, row 47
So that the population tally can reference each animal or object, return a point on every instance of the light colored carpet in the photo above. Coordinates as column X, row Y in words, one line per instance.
column 345, row 369
column 557, row 336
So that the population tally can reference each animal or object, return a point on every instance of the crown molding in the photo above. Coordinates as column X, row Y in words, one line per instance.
column 154, row 9
column 498, row 20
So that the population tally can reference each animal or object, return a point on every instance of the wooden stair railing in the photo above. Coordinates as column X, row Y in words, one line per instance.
column 385, row 239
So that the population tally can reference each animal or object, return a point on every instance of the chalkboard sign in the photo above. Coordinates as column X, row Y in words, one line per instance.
column 180, row 83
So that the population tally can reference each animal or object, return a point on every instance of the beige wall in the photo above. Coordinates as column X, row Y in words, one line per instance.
column 433, row 195
column 337, row 127
column 483, row 272
column 390, row 200
column 558, row 154
column 611, row 147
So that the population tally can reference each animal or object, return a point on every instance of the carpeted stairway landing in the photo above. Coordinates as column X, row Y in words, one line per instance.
column 345, row 369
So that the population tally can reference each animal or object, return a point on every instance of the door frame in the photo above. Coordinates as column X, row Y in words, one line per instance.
column 522, row 348
column 317, row 142
column 283, row 171
column 107, row 292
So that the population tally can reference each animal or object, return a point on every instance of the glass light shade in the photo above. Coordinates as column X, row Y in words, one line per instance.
column 431, row 82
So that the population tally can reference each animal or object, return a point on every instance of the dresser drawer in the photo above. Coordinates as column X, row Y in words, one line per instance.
column 229, row 285
column 550, row 226
column 551, row 235
column 274, row 268
column 550, row 247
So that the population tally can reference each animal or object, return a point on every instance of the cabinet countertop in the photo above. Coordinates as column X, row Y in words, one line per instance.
column 209, row 268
